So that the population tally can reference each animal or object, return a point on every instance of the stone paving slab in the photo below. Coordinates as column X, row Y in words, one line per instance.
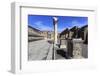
column 38, row 50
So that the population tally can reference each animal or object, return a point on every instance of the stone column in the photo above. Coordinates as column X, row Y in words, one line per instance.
column 55, row 20
column 77, row 48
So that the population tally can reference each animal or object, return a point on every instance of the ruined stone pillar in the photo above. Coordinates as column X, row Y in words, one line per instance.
column 77, row 48
column 55, row 20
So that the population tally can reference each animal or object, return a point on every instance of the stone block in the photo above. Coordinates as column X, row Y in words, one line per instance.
column 77, row 48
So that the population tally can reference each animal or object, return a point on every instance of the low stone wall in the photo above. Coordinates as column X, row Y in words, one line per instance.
column 73, row 47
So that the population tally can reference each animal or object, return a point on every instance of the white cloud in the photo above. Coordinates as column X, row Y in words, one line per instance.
column 61, row 29
column 76, row 23
column 40, row 25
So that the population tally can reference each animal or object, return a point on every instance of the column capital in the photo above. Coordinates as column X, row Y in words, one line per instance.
column 55, row 18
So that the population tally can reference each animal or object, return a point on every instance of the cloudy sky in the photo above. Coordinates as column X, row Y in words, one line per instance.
column 43, row 23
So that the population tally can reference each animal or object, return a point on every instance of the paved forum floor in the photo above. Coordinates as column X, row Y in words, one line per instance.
column 39, row 50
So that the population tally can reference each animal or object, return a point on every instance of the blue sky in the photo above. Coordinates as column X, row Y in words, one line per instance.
column 43, row 22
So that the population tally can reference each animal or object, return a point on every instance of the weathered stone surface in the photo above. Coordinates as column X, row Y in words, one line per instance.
column 63, row 43
column 77, row 48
